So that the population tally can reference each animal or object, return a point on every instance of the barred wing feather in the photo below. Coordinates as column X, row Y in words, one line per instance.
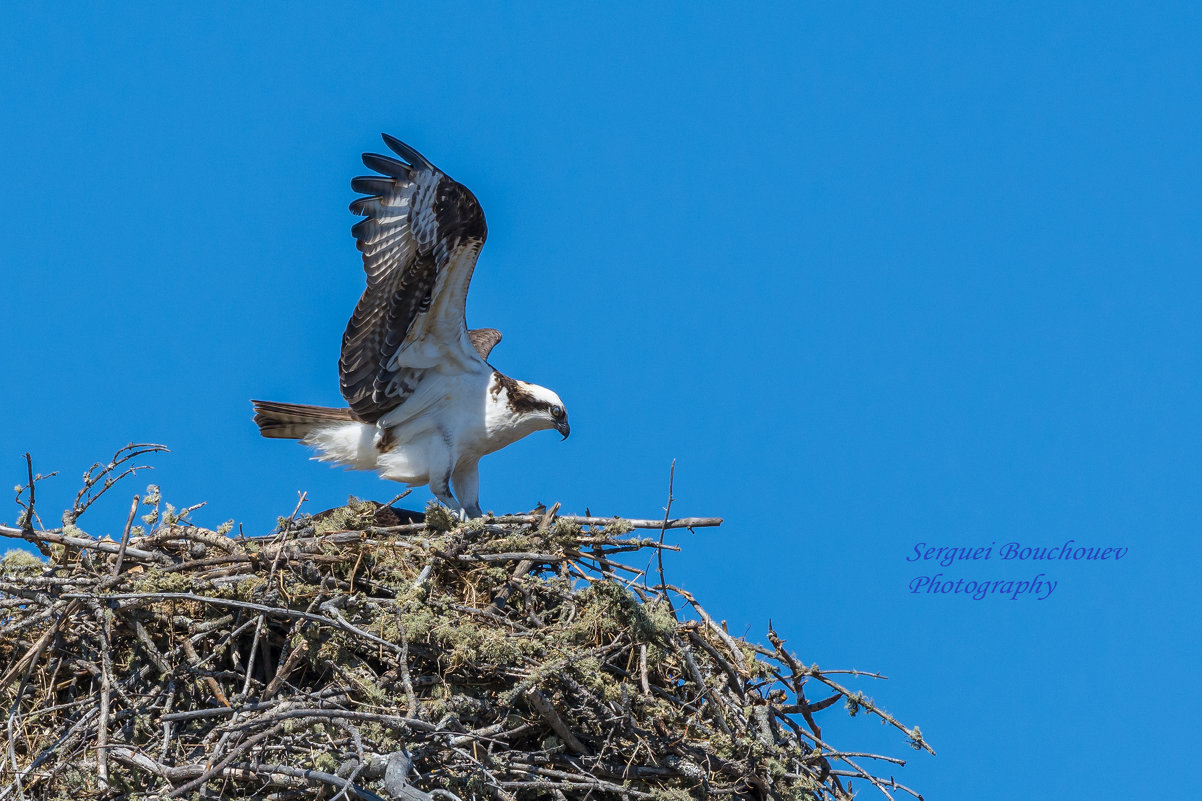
column 420, row 237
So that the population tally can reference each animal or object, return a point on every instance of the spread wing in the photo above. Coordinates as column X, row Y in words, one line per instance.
column 420, row 238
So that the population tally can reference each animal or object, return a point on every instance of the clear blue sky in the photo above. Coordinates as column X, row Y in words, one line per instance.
column 873, row 276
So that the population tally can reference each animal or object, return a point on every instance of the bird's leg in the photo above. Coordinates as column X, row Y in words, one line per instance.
column 440, row 478
column 441, row 487
column 467, row 487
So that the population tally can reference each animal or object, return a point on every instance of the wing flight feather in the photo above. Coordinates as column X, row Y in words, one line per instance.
column 420, row 237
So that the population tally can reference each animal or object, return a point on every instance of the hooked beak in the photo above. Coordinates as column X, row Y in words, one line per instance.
column 563, row 428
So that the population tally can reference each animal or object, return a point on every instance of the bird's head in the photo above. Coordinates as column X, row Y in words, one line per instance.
column 549, row 411
column 529, row 407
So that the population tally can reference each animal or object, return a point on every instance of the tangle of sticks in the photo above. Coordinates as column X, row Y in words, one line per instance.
column 370, row 653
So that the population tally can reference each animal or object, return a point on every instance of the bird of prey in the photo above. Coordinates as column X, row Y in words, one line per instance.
column 424, row 404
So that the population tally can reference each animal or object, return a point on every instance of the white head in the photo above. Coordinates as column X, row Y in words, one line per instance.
column 522, row 408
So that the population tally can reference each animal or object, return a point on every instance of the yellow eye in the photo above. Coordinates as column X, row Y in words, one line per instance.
column 557, row 412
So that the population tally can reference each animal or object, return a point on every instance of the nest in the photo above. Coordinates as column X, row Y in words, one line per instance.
column 377, row 654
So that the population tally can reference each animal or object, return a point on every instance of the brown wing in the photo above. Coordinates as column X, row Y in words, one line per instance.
column 484, row 340
column 420, row 239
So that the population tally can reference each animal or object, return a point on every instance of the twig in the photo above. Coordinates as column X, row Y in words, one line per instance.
column 659, row 554
column 54, row 536
column 27, row 525
column 129, row 522
column 106, row 689
column 85, row 497
column 542, row 705
column 678, row 522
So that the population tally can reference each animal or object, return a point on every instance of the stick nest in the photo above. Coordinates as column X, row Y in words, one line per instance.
column 364, row 653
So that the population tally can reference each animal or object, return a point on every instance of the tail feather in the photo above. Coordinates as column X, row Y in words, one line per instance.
column 296, row 420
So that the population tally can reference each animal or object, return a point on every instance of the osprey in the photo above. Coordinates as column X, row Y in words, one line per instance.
column 424, row 403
